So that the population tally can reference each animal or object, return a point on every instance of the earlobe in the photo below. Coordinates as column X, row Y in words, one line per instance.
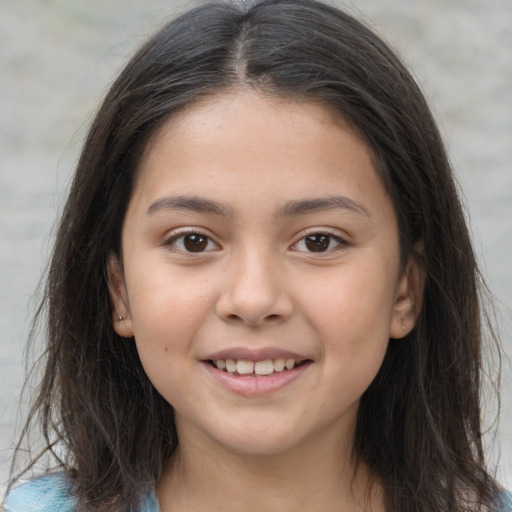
column 408, row 299
column 121, row 319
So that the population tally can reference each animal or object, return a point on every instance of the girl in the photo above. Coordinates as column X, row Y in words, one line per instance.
column 263, row 294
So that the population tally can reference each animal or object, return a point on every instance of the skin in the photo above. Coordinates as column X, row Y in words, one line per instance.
column 257, row 285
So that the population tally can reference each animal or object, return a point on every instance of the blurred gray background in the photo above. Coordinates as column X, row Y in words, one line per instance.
column 57, row 58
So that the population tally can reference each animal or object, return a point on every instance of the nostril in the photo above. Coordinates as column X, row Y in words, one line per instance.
column 252, row 307
column 268, row 318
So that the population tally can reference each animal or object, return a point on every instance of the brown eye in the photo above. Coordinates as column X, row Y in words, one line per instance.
column 319, row 243
column 192, row 243
column 195, row 243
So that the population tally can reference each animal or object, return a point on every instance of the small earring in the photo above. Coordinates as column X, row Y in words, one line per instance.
column 403, row 327
column 121, row 318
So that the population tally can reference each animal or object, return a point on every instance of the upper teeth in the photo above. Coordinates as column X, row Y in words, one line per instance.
column 244, row 367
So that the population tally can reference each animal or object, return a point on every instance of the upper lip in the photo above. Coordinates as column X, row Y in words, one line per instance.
column 248, row 354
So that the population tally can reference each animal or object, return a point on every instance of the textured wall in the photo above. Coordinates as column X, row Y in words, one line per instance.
column 58, row 56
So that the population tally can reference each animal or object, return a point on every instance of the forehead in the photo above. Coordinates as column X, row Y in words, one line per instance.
column 229, row 107
column 245, row 142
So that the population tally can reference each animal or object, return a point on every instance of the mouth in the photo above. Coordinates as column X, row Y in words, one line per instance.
column 256, row 373
column 249, row 368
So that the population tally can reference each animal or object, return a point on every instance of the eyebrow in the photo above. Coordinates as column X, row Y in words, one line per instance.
column 304, row 206
column 195, row 204
column 290, row 208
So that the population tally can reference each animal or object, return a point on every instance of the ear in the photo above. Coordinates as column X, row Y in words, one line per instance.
column 408, row 299
column 121, row 317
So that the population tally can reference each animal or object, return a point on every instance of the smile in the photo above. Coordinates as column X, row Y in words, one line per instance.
column 253, row 377
column 260, row 368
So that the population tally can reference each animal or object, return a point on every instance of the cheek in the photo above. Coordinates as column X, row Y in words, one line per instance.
column 166, row 317
column 354, row 346
column 352, row 318
column 354, row 300
column 167, row 309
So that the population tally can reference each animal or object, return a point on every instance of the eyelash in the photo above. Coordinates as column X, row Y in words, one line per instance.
column 175, row 239
column 320, row 244
column 203, row 243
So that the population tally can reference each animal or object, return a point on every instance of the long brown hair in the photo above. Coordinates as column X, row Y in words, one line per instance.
column 418, row 427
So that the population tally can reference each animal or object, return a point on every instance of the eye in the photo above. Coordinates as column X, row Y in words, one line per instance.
column 192, row 242
column 319, row 242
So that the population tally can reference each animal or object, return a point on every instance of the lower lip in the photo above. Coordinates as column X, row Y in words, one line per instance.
column 256, row 385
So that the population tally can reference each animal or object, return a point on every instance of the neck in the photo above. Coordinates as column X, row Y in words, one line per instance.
column 310, row 478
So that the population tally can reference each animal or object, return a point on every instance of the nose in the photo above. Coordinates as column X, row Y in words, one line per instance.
column 254, row 292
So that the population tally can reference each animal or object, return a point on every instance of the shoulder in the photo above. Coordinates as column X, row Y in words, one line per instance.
column 506, row 502
column 52, row 493
column 44, row 494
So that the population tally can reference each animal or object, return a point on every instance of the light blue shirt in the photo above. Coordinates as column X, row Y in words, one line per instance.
column 51, row 493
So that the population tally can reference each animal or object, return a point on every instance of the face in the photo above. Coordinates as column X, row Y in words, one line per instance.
column 261, row 273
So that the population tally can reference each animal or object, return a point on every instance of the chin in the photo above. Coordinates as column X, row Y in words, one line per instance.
column 265, row 440
column 258, row 448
